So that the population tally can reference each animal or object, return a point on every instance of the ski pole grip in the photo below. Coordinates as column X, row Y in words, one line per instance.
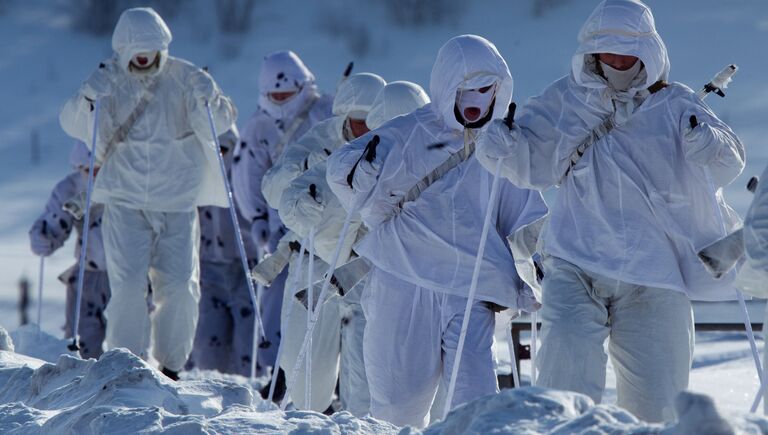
column 313, row 191
column 509, row 120
column 694, row 122
column 348, row 69
column 370, row 154
column 752, row 184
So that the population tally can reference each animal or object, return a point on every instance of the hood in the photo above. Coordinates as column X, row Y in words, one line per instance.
column 356, row 93
column 80, row 156
column 397, row 98
column 468, row 62
column 138, row 30
column 283, row 71
column 621, row 27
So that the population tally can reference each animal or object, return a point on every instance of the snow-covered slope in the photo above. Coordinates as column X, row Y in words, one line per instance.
column 120, row 393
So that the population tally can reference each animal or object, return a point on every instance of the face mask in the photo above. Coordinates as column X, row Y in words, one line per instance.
column 474, row 104
column 620, row 80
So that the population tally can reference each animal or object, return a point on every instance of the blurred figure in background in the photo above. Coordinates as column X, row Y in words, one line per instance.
column 225, row 328
column 289, row 105
column 64, row 212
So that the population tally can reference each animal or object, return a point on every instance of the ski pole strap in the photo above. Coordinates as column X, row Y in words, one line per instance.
column 453, row 161
column 602, row 130
column 297, row 122
column 122, row 131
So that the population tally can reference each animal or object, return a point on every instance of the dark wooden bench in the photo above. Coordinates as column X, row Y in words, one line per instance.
column 708, row 316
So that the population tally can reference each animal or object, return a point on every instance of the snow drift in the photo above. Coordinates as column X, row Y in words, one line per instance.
column 121, row 393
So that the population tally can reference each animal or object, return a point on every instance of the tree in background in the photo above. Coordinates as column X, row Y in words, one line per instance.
column 234, row 16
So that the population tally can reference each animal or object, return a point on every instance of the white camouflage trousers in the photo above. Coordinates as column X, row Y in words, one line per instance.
column 161, row 247
column 651, row 339
column 410, row 342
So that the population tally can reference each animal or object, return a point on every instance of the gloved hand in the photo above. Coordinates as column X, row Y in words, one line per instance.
column 309, row 210
column 366, row 175
column 496, row 142
column 526, row 300
column 203, row 86
column 40, row 240
column 317, row 156
column 98, row 85
column 701, row 143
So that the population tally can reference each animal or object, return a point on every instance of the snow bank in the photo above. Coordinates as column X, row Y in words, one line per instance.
column 120, row 393
column 533, row 410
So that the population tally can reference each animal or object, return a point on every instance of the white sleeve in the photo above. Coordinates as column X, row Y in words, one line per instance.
column 250, row 161
column 725, row 156
column 77, row 116
column 223, row 111
column 289, row 166
column 54, row 224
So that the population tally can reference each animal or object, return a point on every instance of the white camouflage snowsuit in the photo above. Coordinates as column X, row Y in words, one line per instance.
column 423, row 253
column 225, row 327
column 303, row 163
column 52, row 229
column 631, row 214
column 300, row 212
column 152, row 179
column 262, row 142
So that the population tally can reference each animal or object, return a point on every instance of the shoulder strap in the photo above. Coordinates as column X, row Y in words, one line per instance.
column 453, row 161
column 122, row 131
column 600, row 131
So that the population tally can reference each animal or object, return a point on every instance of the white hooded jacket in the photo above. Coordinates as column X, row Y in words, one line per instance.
column 432, row 242
column 167, row 161
column 641, row 201
column 396, row 98
column 263, row 138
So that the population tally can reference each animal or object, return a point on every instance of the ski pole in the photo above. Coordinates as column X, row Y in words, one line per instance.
column 310, row 309
column 534, row 339
column 345, row 75
column 40, row 292
column 476, row 272
column 239, row 240
column 753, row 348
column 294, row 287
column 512, row 356
column 75, row 345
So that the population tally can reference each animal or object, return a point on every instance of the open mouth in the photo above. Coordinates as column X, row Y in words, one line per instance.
column 472, row 113
column 142, row 61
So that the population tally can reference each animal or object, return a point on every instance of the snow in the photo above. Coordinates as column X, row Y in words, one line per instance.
column 120, row 393
column 44, row 61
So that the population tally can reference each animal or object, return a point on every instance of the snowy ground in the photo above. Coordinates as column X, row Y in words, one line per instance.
column 120, row 393
column 43, row 61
